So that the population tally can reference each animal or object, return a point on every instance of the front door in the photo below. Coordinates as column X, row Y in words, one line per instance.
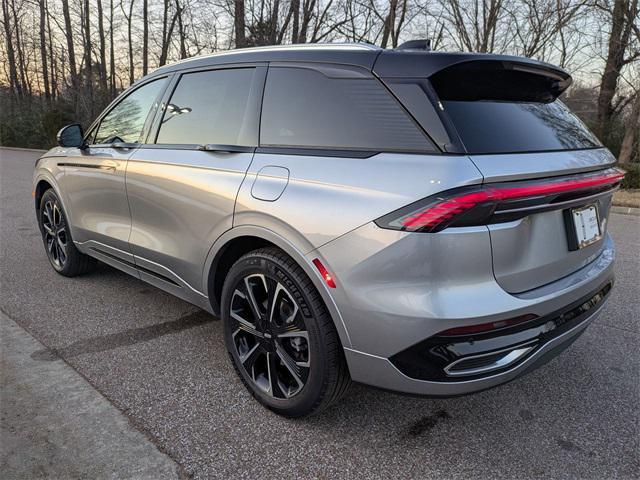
column 94, row 178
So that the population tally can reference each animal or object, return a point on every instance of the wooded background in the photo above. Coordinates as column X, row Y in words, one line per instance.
column 65, row 60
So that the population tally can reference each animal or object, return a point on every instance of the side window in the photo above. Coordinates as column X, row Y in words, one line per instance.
column 125, row 122
column 208, row 107
column 304, row 108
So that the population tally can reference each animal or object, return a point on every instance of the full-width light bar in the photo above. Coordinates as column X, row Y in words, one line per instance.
column 436, row 213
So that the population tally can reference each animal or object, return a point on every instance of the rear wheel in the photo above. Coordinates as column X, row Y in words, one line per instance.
column 63, row 255
column 280, row 336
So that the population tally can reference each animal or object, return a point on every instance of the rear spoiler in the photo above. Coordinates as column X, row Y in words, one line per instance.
column 474, row 76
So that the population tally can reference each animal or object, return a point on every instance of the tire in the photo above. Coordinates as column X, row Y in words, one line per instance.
column 292, row 334
column 63, row 255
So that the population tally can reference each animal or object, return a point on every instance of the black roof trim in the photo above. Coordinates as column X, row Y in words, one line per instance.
column 414, row 64
column 361, row 55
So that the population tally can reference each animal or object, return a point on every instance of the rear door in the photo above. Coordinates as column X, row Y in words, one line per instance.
column 182, row 183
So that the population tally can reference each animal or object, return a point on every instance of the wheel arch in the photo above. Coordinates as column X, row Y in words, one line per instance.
column 242, row 239
column 42, row 185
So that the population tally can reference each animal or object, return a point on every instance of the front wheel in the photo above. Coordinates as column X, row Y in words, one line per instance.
column 63, row 255
column 279, row 335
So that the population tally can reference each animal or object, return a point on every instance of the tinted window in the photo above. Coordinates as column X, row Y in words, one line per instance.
column 503, row 127
column 126, row 121
column 207, row 107
column 304, row 108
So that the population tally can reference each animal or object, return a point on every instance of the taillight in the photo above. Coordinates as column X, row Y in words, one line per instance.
column 476, row 205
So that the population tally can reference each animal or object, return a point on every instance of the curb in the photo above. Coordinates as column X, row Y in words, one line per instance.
column 625, row 210
column 22, row 149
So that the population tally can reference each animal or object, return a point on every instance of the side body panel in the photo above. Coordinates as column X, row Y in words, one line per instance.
column 326, row 197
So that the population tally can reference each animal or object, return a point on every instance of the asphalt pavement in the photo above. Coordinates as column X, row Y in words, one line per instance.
column 162, row 363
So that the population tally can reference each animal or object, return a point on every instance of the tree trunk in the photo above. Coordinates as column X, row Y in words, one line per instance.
column 112, row 58
column 16, row 87
column 43, row 48
column 103, row 51
column 53, row 64
column 295, row 6
column 145, row 37
column 75, row 84
column 88, row 63
column 631, row 135
column 167, row 31
column 618, row 42
column 26, row 85
column 389, row 22
column 239, row 23
column 308, row 7
column 181, row 33
column 130, row 41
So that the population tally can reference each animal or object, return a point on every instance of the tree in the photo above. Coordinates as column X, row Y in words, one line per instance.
column 623, row 17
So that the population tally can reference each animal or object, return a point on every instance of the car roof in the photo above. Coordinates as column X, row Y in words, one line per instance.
column 357, row 54
column 383, row 62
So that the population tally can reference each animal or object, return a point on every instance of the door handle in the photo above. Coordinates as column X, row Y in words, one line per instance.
column 214, row 147
column 123, row 145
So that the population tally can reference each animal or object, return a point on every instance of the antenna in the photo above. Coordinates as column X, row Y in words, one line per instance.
column 423, row 44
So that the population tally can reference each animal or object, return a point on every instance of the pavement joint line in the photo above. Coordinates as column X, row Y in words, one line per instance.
column 132, row 421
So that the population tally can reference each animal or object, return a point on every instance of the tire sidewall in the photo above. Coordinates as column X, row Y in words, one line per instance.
column 316, row 382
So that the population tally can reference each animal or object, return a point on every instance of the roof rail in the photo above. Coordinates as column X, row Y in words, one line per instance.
column 422, row 44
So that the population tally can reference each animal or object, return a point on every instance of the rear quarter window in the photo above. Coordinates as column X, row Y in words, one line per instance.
column 305, row 108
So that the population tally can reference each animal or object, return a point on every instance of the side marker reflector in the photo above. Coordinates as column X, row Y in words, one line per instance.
column 326, row 276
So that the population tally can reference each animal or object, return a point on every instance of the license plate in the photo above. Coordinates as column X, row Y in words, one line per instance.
column 586, row 226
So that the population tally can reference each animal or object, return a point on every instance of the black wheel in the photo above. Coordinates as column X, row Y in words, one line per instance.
column 65, row 258
column 280, row 336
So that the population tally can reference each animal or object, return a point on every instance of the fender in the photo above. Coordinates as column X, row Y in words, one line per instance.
column 290, row 249
column 47, row 170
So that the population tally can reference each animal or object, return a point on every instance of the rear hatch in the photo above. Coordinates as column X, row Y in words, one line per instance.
column 504, row 113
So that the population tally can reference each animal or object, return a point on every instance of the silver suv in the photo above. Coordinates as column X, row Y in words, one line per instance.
column 430, row 223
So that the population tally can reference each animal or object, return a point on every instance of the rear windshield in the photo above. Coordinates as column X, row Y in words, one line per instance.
column 504, row 127
column 506, row 107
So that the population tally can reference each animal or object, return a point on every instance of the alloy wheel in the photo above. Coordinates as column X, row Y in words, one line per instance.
column 55, row 233
column 270, row 336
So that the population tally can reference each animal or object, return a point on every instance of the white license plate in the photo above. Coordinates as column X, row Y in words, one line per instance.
column 587, row 223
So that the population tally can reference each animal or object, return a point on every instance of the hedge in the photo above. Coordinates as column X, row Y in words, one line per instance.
column 632, row 178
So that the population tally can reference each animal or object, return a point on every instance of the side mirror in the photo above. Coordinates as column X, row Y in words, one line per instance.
column 71, row 136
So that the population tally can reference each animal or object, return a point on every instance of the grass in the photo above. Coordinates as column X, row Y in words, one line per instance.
column 627, row 198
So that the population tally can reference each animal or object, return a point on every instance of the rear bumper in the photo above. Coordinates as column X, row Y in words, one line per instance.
column 379, row 337
column 381, row 372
